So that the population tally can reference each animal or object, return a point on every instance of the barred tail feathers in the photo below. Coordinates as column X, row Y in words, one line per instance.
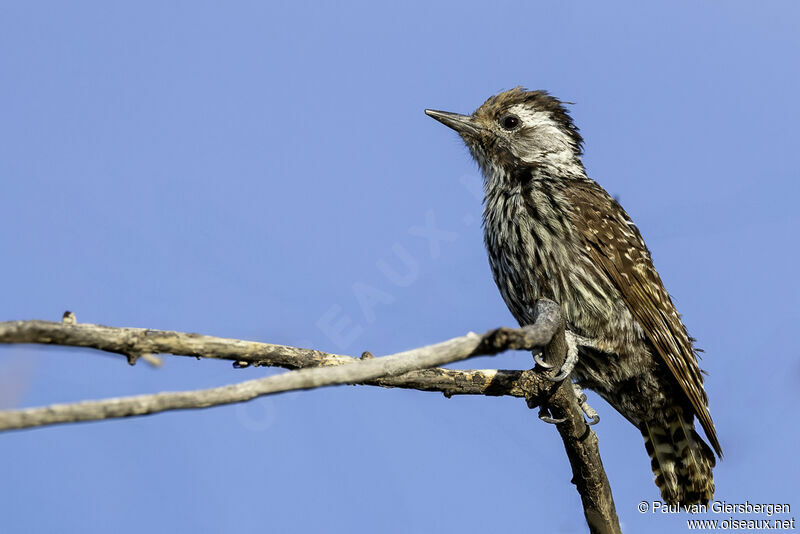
column 681, row 461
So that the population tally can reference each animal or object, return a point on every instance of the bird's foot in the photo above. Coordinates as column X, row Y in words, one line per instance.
column 587, row 410
column 573, row 341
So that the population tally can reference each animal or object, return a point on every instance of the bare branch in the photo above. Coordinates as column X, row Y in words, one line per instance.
column 449, row 351
column 135, row 342
column 410, row 369
column 580, row 441
column 489, row 382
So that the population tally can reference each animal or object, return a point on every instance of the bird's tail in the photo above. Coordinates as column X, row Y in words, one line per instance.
column 680, row 459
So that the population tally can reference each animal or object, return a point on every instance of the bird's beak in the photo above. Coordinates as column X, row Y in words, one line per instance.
column 463, row 124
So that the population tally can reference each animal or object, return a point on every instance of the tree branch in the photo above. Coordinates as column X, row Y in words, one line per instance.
column 121, row 340
column 580, row 441
column 410, row 369
column 138, row 342
column 133, row 342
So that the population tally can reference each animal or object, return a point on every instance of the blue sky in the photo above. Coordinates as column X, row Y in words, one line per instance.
column 248, row 169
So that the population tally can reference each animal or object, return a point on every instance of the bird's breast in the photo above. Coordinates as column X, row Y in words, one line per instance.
column 536, row 252
column 519, row 252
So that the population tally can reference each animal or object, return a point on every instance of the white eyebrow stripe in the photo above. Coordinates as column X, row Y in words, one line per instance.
column 549, row 142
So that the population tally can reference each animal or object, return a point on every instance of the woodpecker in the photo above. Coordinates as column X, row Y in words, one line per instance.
column 552, row 232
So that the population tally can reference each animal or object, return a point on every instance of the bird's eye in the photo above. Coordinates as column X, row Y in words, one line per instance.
column 509, row 122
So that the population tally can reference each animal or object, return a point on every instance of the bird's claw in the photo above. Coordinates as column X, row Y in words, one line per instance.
column 588, row 411
column 544, row 415
column 537, row 357
column 560, row 376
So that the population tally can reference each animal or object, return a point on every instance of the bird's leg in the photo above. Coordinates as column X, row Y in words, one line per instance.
column 574, row 341
column 587, row 410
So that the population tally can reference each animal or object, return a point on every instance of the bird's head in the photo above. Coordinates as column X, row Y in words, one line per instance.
column 518, row 128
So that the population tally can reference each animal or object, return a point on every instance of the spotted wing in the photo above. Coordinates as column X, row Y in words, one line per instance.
column 615, row 245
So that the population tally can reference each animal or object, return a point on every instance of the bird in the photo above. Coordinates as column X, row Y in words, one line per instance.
column 552, row 232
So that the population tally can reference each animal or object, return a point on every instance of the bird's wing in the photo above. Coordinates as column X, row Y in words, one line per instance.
column 615, row 245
